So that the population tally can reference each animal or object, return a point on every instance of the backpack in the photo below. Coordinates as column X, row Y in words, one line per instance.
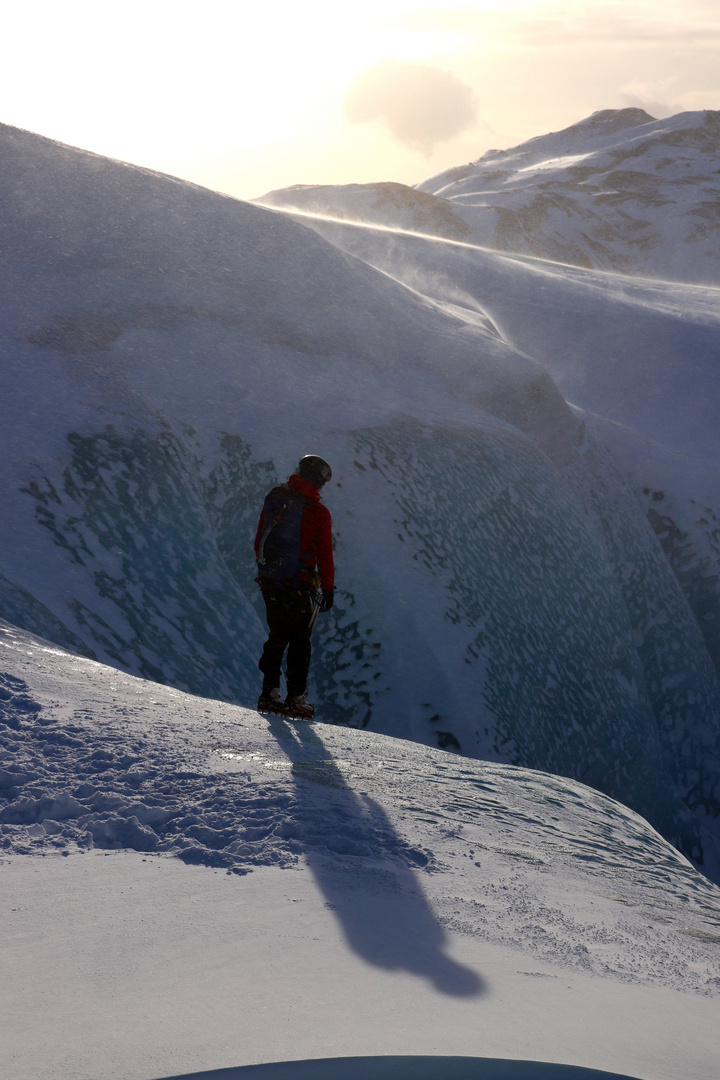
column 279, row 558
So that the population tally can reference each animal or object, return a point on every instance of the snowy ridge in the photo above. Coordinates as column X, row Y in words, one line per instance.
column 521, row 580
column 501, row 590
column 617, row 191
column 447, row 893
column 392, row 205
column 103, row 760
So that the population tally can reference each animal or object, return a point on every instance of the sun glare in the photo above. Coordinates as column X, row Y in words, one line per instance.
column 246, row 98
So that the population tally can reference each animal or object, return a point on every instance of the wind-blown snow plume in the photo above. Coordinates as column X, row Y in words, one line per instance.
column 617, row 191
column 170, row 353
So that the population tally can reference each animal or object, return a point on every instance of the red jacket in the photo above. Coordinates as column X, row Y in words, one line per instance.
column 315, row 533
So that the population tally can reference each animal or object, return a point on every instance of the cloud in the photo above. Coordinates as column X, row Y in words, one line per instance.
column 650, row 96
column 421, row 105
column 659, row 110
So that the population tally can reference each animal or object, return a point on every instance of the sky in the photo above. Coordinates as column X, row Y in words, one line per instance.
column 245, row 98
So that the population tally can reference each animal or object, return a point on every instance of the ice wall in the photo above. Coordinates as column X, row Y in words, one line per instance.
column 489, row 603
column 168, row 354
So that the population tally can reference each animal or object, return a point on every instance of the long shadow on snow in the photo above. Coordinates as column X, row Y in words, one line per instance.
column 365, row 870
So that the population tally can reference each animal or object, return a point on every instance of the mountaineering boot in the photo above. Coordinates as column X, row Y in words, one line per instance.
column 299, row 707
column 270, row 701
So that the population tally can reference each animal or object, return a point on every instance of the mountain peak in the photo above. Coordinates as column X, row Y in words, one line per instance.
column 614, row 119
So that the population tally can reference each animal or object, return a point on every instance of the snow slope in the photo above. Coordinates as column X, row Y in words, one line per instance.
column 641, row 359
column 169, row 353
column 617, row 191
column 371, row 896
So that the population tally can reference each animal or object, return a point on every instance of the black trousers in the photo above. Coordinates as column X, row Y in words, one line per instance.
column 290, row 619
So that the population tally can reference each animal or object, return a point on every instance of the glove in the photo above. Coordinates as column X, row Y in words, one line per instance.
column 328, row 597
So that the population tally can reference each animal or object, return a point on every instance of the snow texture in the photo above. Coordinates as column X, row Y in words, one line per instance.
column 508, row 588
column 468, row 868
column 96, row 759
column 361, row 878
